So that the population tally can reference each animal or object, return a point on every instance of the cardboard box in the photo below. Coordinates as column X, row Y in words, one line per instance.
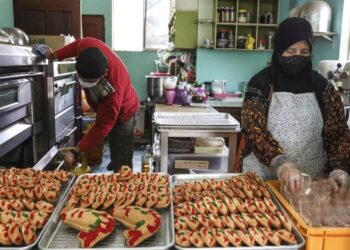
column 54, row 42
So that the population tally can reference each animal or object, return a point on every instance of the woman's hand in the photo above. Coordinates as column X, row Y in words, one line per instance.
column 289, row 174
column 339, row 180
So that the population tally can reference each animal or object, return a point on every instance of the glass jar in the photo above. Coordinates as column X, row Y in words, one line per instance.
column 227, row 14
column 261, row 44
column 223, row 14
column 243, row 16
column 147, row 159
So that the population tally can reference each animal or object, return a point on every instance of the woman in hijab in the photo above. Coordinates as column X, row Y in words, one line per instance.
column 293, row 118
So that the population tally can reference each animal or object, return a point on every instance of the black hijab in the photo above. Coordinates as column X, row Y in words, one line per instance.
column 289, row 32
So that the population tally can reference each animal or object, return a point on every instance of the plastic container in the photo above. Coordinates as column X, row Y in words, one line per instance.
column 169, row 96
column 320, row 238
column 216, row 162
column 243, row 16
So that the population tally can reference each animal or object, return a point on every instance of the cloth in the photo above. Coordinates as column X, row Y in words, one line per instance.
column 100, row 91
column 296, row 122
column 290, row 31
column 91, row 63
column 120, row 144
column 117, row 107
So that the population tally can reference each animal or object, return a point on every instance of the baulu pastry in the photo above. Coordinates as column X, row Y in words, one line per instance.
column 246, row 237
column 192, row 222
column 182, row 238
column 141, row 223
column 196, row 239
column 4, row 236
column 180, row 223
column 205, row 221
column 38, row 218
column 233, row 237
column 271, row 236
column 190, row 208
column 230, row 205
column 275, row 222
column 286, row 236
column 270, row 205
column 125, row 173
column 28, row 232
column 228, row 221
column 250, row 220
column 250, row 206
column 208, row 237
column 216, row 221
column 287, row 223
column 258, row 236
column 15, row 234
column 93, row 225
column 220, row 237
column 44, row 206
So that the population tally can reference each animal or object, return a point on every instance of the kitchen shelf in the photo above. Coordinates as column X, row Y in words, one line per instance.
column 205, row 21
column 256, row 8
column 327, row 35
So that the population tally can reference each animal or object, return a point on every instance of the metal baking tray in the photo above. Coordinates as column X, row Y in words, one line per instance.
column 60, row 236
column 64, row 189
column 197, row 120
column 178, row 179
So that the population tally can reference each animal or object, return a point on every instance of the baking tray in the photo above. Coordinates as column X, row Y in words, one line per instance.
column 178, row 179
column 64, row 190
column 60, row 236
column 196, row 120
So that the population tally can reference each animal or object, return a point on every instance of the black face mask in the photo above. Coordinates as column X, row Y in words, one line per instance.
column 293, row 64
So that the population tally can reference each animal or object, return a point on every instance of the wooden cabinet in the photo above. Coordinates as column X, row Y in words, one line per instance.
column 183, row 29
column 259, row 18
column 48, row 17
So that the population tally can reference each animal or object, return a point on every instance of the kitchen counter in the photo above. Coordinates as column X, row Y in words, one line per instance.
column 234, row 102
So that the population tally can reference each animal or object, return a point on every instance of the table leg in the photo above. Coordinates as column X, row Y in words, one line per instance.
column 164, row 152
column 232, row 152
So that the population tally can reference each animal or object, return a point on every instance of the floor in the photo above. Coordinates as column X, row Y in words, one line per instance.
column 137, row 159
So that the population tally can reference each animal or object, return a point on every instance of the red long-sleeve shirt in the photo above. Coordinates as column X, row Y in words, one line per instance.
column 118, row 106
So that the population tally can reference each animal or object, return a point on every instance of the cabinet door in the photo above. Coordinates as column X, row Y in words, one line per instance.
column 94, row 26
column 186, row 29
column 49, row 17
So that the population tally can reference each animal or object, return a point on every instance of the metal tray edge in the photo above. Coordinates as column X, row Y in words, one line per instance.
column 64, row 200
column 296, row 232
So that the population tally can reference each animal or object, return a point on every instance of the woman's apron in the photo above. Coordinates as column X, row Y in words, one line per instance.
column 295, row 122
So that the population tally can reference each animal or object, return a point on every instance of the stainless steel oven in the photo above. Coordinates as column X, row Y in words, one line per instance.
column 22, row 137
column 63, row 100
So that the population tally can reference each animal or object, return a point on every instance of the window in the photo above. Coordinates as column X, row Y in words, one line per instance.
column 344, row 53
column 140, row 24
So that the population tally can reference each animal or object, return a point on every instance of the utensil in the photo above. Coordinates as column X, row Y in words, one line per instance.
column 156, row 85
column 318, row 13
column 17, row 36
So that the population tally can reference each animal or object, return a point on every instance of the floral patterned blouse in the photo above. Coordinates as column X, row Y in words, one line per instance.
column 258, row 139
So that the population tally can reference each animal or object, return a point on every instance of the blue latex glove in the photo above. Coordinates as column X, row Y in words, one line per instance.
column 41, row 49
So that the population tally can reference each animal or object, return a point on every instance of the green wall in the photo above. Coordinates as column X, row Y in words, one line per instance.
column 6, row 13
column 238, row 66
column 234, row 66
column 100, row 7
column 139, row 64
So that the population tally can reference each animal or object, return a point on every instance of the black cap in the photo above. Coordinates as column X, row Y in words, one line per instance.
column 291, row 31
column 91, row 63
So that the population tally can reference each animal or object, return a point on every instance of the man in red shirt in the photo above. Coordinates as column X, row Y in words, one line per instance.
column 107, row 85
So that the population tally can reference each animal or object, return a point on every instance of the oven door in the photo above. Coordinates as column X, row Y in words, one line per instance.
column 64, row 94
column 15, row 95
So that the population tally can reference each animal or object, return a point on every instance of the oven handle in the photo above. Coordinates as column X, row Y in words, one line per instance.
column 24, row 75
column 65, row 138
column 67, row 84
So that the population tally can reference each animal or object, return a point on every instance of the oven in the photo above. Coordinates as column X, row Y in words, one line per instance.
column 22, row 114
column 64, row 102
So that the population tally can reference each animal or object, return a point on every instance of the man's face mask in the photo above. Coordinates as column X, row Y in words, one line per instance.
column 293, row 64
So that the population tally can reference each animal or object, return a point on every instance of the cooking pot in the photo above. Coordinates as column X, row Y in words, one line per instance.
column 17, row 36
column 318, row 13
column 156, row 84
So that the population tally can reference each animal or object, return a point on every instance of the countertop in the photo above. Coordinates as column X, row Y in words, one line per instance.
column 233, row 102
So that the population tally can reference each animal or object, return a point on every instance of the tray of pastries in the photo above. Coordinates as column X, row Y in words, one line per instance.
column 28, row 200
column 117, row 210
column 235, row 211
